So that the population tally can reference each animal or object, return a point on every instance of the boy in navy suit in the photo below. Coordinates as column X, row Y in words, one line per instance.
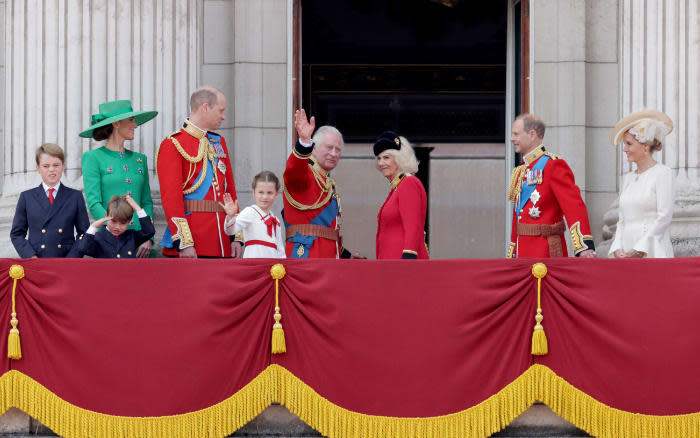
column 50, row 213
column 114, row 240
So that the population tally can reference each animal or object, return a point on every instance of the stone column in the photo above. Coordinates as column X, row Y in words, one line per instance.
column 659, row 45
column 65, row 57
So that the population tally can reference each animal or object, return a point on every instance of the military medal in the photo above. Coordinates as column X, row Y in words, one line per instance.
column 139, row 160
column 217, row 147
column 140, row 171
column 125, row 167
column 534, row 212
column 110, row 169
column 534, row 177
column 535, row 197
column 128, row 180
column 222, row 166
column 300, row 251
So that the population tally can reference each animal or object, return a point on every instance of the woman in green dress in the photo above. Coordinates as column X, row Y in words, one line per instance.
column 114, row 170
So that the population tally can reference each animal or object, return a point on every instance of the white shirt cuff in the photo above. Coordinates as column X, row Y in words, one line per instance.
column 306, row 145
column 142, row 213
column 91, row 230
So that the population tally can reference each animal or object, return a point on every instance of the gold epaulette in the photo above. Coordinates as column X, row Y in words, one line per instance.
column 516, row 182
column 551, row 155
column 168, row 137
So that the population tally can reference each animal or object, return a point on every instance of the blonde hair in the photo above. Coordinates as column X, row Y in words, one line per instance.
column 405, row 157
column 51, row 149
column 119, row 209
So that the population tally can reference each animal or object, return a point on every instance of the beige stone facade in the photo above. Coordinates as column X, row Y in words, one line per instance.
column 593, row 61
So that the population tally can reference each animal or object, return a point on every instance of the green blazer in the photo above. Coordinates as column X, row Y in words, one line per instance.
column 107, row 173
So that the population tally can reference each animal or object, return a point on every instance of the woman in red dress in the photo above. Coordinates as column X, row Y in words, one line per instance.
column 401, row 220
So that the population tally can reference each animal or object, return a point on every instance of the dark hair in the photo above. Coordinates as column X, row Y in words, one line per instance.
column 103, row 132
column 51, row 149
column 266, row 176
column 119, row 209
column 530, row 122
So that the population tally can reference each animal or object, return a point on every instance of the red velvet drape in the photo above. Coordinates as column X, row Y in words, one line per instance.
column 394, row 338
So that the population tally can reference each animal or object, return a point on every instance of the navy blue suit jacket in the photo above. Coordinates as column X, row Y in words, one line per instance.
column 52, row 228
column 104, row 245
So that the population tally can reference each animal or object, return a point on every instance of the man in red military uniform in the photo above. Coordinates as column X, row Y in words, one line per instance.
column 543, row 192
column 311, row 200
column 194, row 171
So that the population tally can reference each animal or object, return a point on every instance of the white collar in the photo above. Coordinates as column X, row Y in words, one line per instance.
column 262, row 214
column 47, row 187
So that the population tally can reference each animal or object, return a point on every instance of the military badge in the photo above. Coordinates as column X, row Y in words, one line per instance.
column 222, row 167
column 139, row 160
column 121, row 154
column 534, row 212
column 300, row 251
column 125, row 167
column 128, row 180
column 140, row 171
column 218, row 149
column 110, row 169
column 535, row 197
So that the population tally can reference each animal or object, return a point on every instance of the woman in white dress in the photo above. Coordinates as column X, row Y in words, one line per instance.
column 262, row 231
column 646, row 199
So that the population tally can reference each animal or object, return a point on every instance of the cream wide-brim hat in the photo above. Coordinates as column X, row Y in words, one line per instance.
column 658, row 118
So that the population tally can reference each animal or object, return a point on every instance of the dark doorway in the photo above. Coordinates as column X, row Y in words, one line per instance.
column 432, row 70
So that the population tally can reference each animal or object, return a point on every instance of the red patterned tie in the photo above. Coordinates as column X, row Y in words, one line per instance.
column 272, row 224
column 51, row 190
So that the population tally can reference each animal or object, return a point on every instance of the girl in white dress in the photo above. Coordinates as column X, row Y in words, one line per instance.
column 646, row 199
column 262, row 231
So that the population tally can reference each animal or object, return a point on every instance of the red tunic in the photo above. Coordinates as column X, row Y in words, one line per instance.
column 205, row 228
column 559, row 197
column 401, row 221
column 300, row 183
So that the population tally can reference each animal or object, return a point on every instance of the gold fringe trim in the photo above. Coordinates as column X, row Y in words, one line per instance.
column 537, row 383
column 65, row 419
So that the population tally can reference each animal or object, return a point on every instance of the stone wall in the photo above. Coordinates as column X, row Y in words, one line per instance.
column 660, row 69
column 576, row 92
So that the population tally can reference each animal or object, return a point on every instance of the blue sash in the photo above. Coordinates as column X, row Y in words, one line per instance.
column 324, row 218
column 526, row 190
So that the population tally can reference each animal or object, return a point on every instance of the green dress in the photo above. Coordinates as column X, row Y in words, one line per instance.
column 107, row 173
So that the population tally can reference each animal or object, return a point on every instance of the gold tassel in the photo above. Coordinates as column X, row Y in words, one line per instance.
column 14, row 347
column 539, row 339
column 278, row 344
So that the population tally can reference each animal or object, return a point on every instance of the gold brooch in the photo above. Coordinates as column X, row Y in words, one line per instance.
column 397, row 141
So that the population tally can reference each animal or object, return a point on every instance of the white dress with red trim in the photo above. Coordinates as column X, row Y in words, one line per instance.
column 262, row 233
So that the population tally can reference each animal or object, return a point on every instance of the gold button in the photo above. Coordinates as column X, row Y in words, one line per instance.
column 60, row 230
column 43, row 230
column 43, row 246
column 59, row 245
column 118, row 256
